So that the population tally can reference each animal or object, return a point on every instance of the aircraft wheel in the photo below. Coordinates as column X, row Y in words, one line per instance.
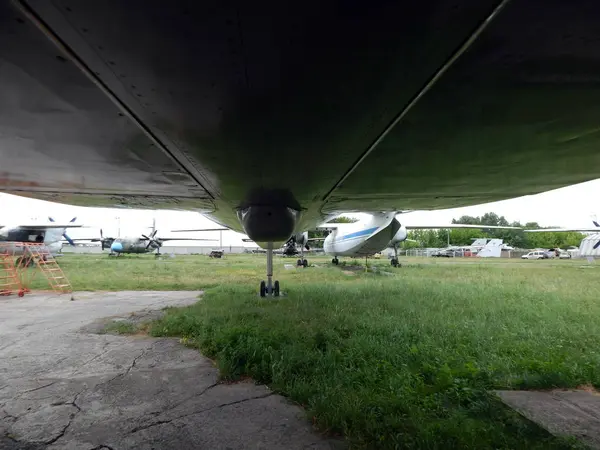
column 276, row 289
column 335, row 261
column 299, row 262
column 305, row 263
column 263, row 289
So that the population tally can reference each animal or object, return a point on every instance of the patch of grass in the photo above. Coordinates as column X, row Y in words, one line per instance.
column 408, row 361
column 120, row 327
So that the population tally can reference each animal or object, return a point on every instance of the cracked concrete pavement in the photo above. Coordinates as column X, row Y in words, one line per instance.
column 63, row 387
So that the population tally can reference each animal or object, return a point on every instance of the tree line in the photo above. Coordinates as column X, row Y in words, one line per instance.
column 514, row 238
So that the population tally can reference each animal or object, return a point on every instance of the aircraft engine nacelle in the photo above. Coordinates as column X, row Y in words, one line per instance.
column 400, row 236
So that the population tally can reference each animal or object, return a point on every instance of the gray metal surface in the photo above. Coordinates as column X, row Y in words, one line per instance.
column 64, row 387
column 322, row 107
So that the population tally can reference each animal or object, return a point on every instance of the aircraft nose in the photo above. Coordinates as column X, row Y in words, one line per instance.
column 116, row 247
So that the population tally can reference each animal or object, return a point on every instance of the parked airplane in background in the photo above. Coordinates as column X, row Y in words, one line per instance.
column 378, row 232
column 50, row 234
column 464, row 102
column 142, row 244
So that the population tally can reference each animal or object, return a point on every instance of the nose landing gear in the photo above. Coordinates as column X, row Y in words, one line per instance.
column 269, row 288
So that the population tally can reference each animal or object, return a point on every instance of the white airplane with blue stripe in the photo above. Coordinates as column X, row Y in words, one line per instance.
column 375, row 234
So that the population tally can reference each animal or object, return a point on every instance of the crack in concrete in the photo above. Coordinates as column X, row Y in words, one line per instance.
column 9, row 416
column 104, row 352
column 37, row 388
column 71, row 403
column 162, row 422
column 66, row 427
column 71, row 418
column 61, row 434
column 131, row 366
column 199, row 394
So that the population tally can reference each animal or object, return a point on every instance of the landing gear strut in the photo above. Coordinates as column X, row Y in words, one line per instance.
column 335, row 261
column 269, row 288
column 394, row 261
column 302, row 262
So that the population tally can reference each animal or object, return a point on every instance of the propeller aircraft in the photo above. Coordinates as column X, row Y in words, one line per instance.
column 142, row 244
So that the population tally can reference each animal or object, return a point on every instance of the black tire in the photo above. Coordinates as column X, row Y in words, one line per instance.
column 305, row 263
column 299, row 262
column 263, row 289
column 276, row 289
column 335, row 261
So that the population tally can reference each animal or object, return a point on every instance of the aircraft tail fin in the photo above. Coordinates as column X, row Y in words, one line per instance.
column 492, row 249
column 480, row 242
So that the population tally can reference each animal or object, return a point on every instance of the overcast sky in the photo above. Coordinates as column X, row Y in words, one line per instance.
column 572, row 206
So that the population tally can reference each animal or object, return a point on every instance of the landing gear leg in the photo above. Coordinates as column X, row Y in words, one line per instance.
column 269, row 288
column 302, row 262
column 366, row 263
column 335, row 261
column 394, row 262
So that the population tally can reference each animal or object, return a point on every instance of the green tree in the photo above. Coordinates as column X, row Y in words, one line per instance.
column 343, row 219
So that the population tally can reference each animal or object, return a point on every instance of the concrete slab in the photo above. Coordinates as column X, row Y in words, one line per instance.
column 64, row 387
column 561, row 412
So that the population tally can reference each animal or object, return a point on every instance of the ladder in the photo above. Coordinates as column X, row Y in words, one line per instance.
column 34, row 253
column 9, row 278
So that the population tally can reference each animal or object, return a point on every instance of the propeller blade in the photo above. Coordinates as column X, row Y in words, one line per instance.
column 153, row 234
column 101, row 237
column 148, row 245
column 145, row 237
column 68, row 239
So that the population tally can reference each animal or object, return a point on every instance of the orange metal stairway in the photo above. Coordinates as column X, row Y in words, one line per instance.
column 38, row 254
column 9, row 278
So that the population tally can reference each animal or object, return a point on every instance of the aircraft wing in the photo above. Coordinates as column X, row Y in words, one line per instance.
column 581, row 230
column 38, row 227
column 184, row 239
column 458, row 225
column 201, row 229
column 213, row 115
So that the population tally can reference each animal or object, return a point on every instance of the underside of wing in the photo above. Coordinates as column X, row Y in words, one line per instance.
column 48, row 226
column 458, row 225
column 580, row 230
column 185, row 239
column 224, row 107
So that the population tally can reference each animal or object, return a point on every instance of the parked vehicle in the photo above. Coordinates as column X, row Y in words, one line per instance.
column 536, row 255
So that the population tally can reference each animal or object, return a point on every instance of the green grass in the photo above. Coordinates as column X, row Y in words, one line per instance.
column 400, row 361
column 120, row 327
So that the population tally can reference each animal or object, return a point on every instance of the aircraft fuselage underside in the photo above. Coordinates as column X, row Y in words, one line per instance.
column 270, row 118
